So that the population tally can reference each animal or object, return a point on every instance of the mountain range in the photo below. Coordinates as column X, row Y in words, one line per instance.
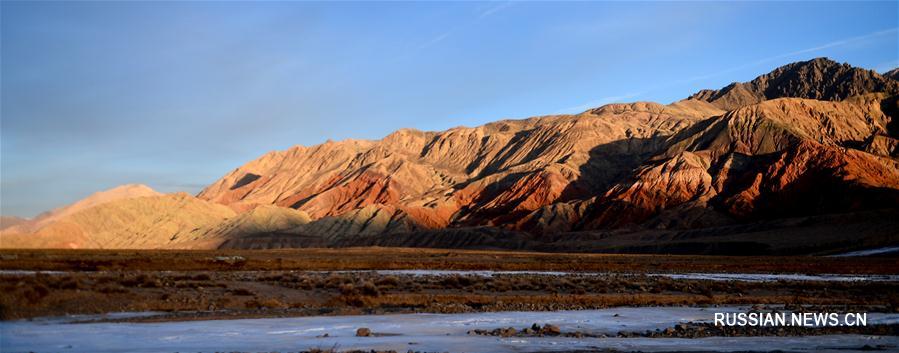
column 801, row 160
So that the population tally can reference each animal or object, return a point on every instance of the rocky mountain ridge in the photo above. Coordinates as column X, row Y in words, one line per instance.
column 808, row 139
column 820, row 79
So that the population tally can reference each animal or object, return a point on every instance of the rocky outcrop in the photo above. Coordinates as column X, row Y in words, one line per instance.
column 820, row 79
column 893, row 74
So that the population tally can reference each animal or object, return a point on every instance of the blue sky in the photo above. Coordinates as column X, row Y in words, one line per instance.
column 176, row 94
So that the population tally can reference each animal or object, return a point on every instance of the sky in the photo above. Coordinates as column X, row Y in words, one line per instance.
column 176, row 94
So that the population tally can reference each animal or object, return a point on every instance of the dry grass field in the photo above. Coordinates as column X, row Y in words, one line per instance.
column 227, row 284
column 217, row 294
column 377, row 258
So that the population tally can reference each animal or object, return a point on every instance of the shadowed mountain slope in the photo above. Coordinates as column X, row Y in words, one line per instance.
column 778, row 158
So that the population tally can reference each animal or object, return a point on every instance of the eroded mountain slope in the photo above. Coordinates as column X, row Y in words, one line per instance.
column 783, row 157
column 491, row 174
column 809, row 141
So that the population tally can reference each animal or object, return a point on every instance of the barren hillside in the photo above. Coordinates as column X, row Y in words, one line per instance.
column 813, row 140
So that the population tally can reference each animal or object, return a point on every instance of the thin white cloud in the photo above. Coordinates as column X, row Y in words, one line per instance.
column 622, row 98
column 495, row 9
column 484, row 14
column 833, row 44
column 437, row 39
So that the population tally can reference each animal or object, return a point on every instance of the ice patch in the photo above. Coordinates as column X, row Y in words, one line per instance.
column 761, row 277
column 29, row 273
column 420, row 332
column 741, row 277
column 869, row 252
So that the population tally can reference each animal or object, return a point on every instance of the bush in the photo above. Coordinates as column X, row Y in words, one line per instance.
column 451, row 281
column 336, row 281
column 466, row 281
column 369, row 289
column 36, row 293
column 501, row 285
column 142, row 281
column 242, row 292
column 389, row 281
column 112, row 289
column 348, row 289
column 354, row 300
column 70, row 283
column 305, row 284
column 270, row 303
column 273, row 303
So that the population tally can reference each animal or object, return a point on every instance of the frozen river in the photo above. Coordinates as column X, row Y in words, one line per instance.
column 418, row 332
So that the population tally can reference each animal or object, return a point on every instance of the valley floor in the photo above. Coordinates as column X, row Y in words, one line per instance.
column 430, row 300
column 388, row 258
column 190, row 285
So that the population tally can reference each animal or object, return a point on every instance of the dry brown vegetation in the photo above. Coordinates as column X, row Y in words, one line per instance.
column 221, row 284
column 227, row 294
column 371, row 258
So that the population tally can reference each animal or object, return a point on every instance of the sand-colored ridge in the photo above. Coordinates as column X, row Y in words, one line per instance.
column 120, row 192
